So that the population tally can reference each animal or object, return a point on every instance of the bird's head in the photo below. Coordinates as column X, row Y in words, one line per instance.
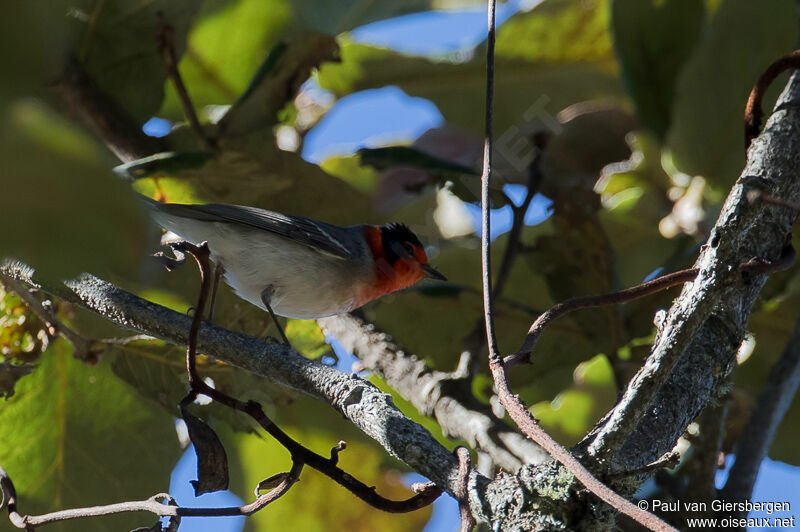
column 400, row 258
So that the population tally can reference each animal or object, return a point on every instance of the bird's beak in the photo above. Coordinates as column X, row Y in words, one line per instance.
column 433, row 273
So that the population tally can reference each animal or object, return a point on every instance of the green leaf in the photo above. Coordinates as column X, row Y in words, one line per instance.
column 74, row 436
column 653, row 39
column 391, row 156
column 573, row 412
column 116, row 43
column 64, row 212
column 225, row 47
column 307, row 338
column 277, row 81
column 157, row 371
column 706, row 135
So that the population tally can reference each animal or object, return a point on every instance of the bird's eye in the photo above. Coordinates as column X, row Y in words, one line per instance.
column 409, row 248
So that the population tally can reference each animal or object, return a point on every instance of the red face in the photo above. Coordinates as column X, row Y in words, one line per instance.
column 399, row 262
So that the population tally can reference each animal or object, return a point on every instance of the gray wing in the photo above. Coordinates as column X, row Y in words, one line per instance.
column 317, row 235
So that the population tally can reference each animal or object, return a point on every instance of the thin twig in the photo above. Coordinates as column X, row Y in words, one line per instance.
column 152, row 505
column 464, row 466
column 752, row 111
column 757, row 195
column 518, row 412
column 752, row 267
column 559, row 309
column 518, row 217
column 166, row 47
column 299, row 453
column 668, row 461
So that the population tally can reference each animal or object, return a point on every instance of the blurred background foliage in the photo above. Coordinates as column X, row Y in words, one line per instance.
column 641, row 101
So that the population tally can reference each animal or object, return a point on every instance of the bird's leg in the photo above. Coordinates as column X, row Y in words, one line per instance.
column 266, row 296
column 219, row 269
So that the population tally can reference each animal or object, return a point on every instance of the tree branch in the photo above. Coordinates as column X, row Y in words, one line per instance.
column 514, row 406
column 696, row 348
column 433, row 393
column 357, row 400
column 300, row 455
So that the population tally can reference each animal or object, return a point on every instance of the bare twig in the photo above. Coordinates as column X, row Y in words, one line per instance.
column 669, row 461
column 152, row 505
column 518, row 412
column 166, row 47
column 518, row 217
column 757, row 195
column 299, row 453
column 752, row 111
column 537, row 328
column 465, row 464
column 752, row 267
column 772, row 405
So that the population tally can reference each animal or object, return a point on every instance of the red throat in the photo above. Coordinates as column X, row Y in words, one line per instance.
column 388, row 277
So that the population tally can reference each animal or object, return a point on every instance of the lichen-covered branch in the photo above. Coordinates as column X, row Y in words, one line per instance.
column 695, row 349
column 356, row 399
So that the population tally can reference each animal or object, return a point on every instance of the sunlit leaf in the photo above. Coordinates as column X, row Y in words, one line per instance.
column 74, row 435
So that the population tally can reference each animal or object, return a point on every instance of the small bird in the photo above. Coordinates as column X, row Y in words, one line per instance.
column 297, row 267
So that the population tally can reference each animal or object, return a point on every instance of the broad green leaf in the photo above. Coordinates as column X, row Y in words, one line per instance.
column 272, row 179
column 547, row 33
column 64, row 211
column 744, row 37
column 349, row 169
column 115, row 41
column 224, row 49
column 38, row 41
column 653, row 38
column 74, row 435
column 277, row 81
column 307, row 338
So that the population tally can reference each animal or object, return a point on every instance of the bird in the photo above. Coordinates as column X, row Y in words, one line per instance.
column 297, row 267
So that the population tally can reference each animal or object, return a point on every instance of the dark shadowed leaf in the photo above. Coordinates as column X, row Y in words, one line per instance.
column 653, row 38
column 212, row 461
column 65, row 213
